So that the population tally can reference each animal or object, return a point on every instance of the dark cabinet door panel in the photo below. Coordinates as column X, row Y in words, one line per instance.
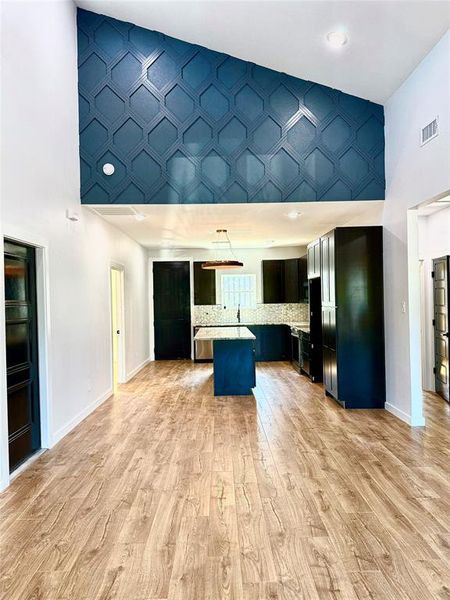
column 204, row 285
column 272, row 342
column 313, row 259
column 273, row 272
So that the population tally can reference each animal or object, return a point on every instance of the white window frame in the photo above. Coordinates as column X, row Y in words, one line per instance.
column 238, row 290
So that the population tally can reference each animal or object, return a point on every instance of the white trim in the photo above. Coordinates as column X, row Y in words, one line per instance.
column 136, row 370
column 404, row 416
column 63, row 431
column 414, row 318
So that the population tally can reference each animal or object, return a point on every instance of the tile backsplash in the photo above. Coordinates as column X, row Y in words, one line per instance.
column 262, row 314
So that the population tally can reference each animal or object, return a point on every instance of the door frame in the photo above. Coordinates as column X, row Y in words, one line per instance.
column 121, row 371
column 169, row 258
column 44, row 368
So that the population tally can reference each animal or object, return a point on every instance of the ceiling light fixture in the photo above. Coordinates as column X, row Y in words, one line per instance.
column 294, row 214
column 337, row 39
column 233, row 263
column 138, row 215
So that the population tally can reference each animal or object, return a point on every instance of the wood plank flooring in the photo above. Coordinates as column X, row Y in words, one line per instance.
column 166, row 492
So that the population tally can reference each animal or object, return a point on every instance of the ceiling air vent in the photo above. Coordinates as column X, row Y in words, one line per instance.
column 115, row 211
column 429, row 132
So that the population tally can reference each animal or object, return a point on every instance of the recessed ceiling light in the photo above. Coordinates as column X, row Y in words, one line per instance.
column 336, row 39
column 294, row 214
column 139, row 216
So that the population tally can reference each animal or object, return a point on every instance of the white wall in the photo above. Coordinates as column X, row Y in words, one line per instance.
column 40, row 180
column 434, row 241
column 414, row 174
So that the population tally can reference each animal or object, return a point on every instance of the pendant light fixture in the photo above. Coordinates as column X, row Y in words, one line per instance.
column 232, row 263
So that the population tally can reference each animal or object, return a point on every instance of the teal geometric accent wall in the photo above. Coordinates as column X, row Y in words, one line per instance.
column 184, row 124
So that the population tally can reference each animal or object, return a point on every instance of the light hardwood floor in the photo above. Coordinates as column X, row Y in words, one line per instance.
column 166, row 492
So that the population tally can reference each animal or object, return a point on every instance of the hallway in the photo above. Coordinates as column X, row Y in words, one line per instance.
column 168, row 492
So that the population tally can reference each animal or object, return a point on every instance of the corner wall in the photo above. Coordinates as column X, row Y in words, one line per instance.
column 40, row 180
column 414, row 174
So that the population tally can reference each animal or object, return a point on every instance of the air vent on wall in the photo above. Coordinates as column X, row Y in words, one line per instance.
column 115, row 211
column 429, row 132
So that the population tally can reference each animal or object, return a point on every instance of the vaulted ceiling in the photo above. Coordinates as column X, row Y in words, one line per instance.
column 387, row 39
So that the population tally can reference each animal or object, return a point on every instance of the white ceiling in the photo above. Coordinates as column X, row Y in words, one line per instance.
column 387, row 39
column 248, row 225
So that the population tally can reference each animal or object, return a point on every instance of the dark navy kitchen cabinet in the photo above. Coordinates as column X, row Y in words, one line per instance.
column 273, row 273
column 204, row 285
column 313, row 257
column 352, row 316
column 272, row 342
column 295, row 280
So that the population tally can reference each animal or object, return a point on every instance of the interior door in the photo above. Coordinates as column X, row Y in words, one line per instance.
column 24, row 437
column 441, row 309
column 172, row 309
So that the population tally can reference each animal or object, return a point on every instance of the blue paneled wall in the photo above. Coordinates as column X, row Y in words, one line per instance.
column 183, row 124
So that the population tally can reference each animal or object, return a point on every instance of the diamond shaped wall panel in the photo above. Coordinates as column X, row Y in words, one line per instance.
column 184, row 124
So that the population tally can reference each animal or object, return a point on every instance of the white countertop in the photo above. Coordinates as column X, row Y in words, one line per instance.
column 224, row 333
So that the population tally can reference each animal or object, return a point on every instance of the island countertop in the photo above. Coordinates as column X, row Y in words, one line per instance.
column 224, row 333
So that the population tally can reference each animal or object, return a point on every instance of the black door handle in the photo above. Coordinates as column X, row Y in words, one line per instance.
column 445, row 334
column 118, row 332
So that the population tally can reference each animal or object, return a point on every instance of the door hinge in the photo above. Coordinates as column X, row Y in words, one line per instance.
column 434, row 322
column 434, row 370
column 432, row 274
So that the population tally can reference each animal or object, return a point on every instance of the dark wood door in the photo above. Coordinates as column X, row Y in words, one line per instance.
column 441, row 310
column 24, row 430
column 172, row 307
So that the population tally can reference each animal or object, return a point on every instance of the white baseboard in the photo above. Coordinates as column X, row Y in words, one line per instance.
column 405, row 417
column 63, row 431
column 136, row 370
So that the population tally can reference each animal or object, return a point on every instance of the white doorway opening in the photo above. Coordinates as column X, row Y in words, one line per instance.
column 118, row 373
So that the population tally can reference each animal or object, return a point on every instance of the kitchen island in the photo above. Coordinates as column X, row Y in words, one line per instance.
column 233, row 359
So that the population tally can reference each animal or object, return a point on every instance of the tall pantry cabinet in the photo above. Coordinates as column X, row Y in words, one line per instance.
column 351, row 271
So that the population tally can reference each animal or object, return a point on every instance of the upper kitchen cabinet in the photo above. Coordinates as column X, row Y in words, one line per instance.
column 313, row 259
column 273, row 272
column 327, row 269
column 296, row 280
column 204, row 285
column 352, row 316
column 285, row 281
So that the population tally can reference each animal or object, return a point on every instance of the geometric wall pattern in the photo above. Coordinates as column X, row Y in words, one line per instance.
column 183, row 124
